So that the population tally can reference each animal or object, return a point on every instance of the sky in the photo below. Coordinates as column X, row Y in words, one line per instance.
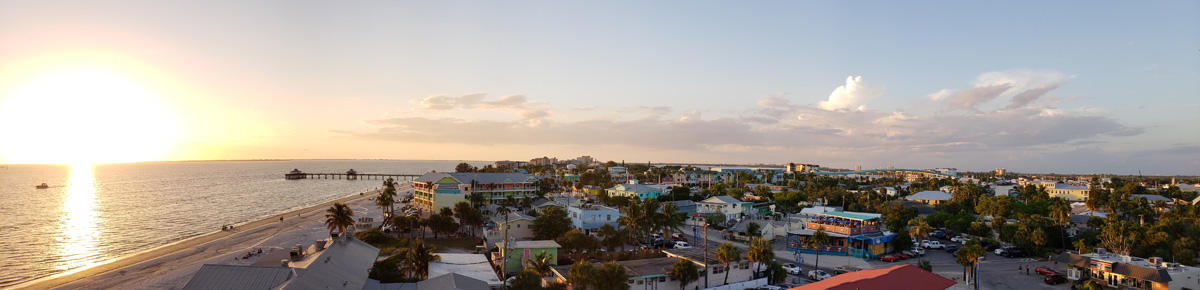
column 1057, row 87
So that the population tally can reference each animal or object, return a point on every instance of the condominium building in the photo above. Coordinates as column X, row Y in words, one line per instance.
column 435, row 190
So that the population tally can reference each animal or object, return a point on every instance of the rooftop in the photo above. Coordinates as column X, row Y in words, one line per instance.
column 342, row 264
column 723, row 199
column 475, row 266
column 452, row 281
column 900, row 277
column 532, row 244
column 930, row 195
column 477, row 177
column 862, row 216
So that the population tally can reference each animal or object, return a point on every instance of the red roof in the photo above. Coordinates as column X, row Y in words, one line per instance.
column 901, row 277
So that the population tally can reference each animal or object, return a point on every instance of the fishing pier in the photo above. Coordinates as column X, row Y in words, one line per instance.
column 348, row 175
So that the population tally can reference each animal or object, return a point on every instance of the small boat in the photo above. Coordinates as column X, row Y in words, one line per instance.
column 43, row 186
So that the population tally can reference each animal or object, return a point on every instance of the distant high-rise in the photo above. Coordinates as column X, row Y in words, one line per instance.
column 801, row 167
column 999, row 171
column 585, row 159
column 858, row 168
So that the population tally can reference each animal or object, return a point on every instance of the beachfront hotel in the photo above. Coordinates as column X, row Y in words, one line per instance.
column 435, row 190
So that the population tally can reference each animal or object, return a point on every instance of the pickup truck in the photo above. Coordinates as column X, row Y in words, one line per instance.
column 933, row 244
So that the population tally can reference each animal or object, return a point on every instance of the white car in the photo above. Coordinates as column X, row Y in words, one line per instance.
column 682, row 245
column 918, row 250
column 817, row 275
column 959, row 239
column 792, row 268
column 933, row 244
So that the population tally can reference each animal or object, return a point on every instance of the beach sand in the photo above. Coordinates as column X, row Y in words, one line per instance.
column 171, row 266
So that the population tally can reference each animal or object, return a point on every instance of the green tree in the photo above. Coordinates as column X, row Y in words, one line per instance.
column 539, row 263
column 753, row 230
column 776, row 273
column 1118, row 235
column 820, row 238
column 575, row 241
column 685, row 271
column 419, row 255
column 669, row 219
column 727, row 254
column 919, row 229
column 527, row 279
column 551, row 223
column 339, row 217
column 385, row 201
column 582, row 275
column 611, row 276
column 760, row 252
column 464, row 167
column 967, row 256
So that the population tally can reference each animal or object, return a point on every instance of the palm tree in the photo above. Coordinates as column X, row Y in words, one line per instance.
column 389, row 189
column 339, row 217
column 609, row 238
column 581, row 275
column 669, row 220
column 634, row 219
column 539, row 263
column 1060, row 212
column 919, row 229
column 820, row 238
column 462, row 211
column 611, row 276
column 967, row 256
column 760, row 252
column 727, row 254
column 419, row 256
column 685, row 271
column 384, row 201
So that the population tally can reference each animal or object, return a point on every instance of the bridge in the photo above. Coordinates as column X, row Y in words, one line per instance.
column 897, row 170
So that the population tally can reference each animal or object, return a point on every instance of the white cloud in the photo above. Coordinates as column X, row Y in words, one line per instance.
column 516, row 104
column 852, row 96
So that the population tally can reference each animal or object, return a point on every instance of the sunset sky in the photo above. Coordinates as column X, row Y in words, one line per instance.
column 1063, row 86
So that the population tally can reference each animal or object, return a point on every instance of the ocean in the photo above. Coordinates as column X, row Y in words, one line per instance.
column 96, row 213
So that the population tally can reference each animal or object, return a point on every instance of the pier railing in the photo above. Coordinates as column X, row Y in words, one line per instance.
column 349, row 176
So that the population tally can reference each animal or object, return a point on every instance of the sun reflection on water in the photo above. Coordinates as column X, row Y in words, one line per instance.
column 78, row 237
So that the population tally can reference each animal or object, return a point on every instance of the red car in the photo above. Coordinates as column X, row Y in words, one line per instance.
column 901, row 256
column 1043, row 270
column 1055, row 279
column 889, row 258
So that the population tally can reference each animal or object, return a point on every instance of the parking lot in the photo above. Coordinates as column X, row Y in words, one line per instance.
column 995, row 272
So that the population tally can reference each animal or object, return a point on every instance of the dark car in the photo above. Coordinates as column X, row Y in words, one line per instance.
column 1043, row 270
column 952, row 248
column 1053, row 279
column 938, row 234
column 1010, row 252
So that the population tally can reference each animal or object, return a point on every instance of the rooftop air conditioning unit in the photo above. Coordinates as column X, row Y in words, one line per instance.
column 1155, row 261
column 320, row 245
column 283, row 263
column 1101, row 252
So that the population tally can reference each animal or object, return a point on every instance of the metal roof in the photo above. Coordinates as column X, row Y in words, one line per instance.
column 540, row 244
column 901, row 277
column 721, row 199
column 930, row 195
column 235, row 277
column 853, row 215
column 475, row 266
column 479, row 178
column 452, row 281
column 342, row 265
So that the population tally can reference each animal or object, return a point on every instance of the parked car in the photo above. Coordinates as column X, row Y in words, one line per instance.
column 678, row 237
column 658, row 244
column 1053, row 279
column 918, row 251
column 938, row 234
column 844, row 269
column 792, row 268
column 1010, row 252
column 682, row 245
column 770, row 287
column 933, row 244
column 952, row 248
column 817, row 275
column 1043, row 270
column 901, row 256
column 909, row 253
column 889, row 258
column 959, row 239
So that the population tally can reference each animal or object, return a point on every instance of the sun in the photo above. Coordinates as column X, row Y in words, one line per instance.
column 83, row 116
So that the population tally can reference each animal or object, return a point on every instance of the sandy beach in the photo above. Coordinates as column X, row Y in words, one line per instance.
column 170, row 266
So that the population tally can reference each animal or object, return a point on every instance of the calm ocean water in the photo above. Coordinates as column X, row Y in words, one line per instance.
column 92, row 214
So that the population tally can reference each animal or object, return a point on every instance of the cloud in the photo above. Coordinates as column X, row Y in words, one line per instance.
column 970, row 99
column 852, row 96
column 516, row 104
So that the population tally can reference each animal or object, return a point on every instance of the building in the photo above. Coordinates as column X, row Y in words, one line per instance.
column 1066, row 191
column 585, row 160
column 801, row 167
column 900, row 277
column 590, row 217
column 731, row 207
column 473, row 266
column 999, row 171
column 947, row 171
column 436, row 190
column 544, row 161
column 633, row 189
column 519, row 227
column 327, row 264
column 510, row 257
column 1127, row 272
column 851, row 233
column 451, row 281
column 739, row 272
column 930, row 197
column 511, row 165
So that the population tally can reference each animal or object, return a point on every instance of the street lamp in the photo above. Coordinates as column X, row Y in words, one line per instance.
column 976, row 276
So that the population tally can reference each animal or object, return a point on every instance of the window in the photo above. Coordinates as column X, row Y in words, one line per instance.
column 609, row 217
column 640, row 281
column 663, row 279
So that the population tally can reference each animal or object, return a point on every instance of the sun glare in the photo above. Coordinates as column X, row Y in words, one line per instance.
column 83, row 116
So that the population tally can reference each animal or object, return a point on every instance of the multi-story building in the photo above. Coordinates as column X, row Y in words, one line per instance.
column 435, row 190
column 590, row 217
column 724, row 204
column 850, row 233
column 585, row 160
column 633, row 189
column 544, row 161
column 1067, row 191
column 1126, row 272
column 801, row 167
column 506, row 164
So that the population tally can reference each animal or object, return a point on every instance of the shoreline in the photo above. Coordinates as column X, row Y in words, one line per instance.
column 180, row 249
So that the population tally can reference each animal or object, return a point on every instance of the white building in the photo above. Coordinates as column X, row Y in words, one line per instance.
column 731, row 207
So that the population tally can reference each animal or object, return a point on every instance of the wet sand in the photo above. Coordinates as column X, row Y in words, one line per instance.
column 170, row 266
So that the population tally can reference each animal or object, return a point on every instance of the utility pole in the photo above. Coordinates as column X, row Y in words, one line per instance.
column 706, row 271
